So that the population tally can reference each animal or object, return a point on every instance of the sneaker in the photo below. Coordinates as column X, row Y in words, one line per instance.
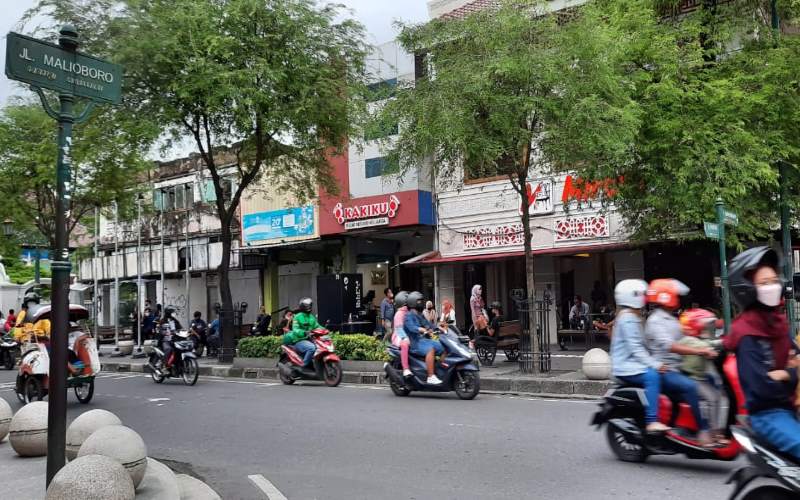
column 434, row 380
column 658, row 427
column 407, row 373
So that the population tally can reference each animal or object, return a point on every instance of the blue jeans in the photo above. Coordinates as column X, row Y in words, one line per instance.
column 306, row 348
column 422, row 346
column 651, row 383
column 780, row 428
column 680, row 386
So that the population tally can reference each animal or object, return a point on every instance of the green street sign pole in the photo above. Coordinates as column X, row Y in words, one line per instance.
column 723, row 265
column 788, row 254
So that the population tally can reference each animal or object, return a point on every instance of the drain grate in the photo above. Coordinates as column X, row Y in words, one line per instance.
column 369, row 379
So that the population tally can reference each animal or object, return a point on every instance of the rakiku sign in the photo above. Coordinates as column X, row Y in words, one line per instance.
column 51, row 67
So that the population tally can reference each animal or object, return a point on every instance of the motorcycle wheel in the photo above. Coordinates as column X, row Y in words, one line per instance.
column 286, row 379
column 156, row 377
column 9, row 360
column 18, row 388
column 769, row 493
column 622, row 448
column 190, row 371
column 468, row 384
column 333, row 373
column 32, row 390
column 399, row 390
column 84, row 392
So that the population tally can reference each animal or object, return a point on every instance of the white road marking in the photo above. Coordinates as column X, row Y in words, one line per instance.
column 267, row 487
column 156, row 400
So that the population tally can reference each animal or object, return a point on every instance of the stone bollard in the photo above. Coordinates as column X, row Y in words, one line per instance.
column 83, row 427
column 5, row 418
column 123, row 445
column 28, row 430
column 92, row 477
column 597, row 364
column 125, row 347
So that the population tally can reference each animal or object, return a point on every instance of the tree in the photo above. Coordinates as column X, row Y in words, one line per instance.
column 719, row 109
column 271, row 82
column 105, row 167
column 513, row 91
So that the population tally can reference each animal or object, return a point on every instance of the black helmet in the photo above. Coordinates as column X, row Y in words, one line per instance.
column 305, row 305
column 401, row 299
column 416, row 301
column 741, row 269
column 169, row 311
column 31, row 297
column 496, row 305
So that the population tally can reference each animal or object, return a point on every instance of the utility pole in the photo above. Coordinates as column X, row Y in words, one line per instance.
column 116, row 274
column 188, row 256
column 139, row 274
column 161, row 233
column 96, row 275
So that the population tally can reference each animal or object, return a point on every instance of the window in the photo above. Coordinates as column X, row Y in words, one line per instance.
column 375, row 167
column 379, row 91
column 484, row 171
column 380, row 131
column 184, row 259
column 180, row 197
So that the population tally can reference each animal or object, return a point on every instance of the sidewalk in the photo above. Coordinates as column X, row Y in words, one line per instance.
column 502, row 377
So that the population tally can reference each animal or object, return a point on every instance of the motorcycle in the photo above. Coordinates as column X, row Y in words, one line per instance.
column 33, row 378
column 326, row 365
column 461, row 374
column 623, row 412
column 182, row 360
column 765, row 462
column 9, row 352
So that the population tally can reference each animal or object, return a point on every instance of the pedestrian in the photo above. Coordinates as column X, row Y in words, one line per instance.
column 200, row 329
column 478, row 311
column 387, row 314
column 148, row 323
column 11, row 320
column 430, row 312
column 214, row 337
column 261, row 326
column 286, row 323
column 448, row 316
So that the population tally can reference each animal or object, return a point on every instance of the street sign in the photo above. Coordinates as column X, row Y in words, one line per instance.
column 711, row 229
column 731, row 218
column 49, row 66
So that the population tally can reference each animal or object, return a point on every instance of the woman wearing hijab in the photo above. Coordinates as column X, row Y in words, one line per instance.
column 760, row 337
column 477, row 309
column 448, row 316
column 430, row 312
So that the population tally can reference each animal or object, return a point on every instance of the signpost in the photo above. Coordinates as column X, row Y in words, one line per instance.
column 724, row 217
column 62, row 69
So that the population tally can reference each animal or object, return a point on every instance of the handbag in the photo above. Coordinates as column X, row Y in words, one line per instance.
column 481, row 323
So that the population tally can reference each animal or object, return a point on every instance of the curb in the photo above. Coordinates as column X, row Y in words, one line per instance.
column 540, row 387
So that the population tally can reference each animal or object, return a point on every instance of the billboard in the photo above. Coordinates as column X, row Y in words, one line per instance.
column 278, row 224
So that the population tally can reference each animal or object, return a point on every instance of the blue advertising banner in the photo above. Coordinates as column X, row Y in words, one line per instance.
column 28, row 256
column 277, row 224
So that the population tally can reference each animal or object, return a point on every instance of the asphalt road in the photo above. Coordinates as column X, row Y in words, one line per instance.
column 360, row 442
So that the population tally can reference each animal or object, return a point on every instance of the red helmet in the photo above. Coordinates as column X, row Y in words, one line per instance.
column 695, row 322
column 666, row 292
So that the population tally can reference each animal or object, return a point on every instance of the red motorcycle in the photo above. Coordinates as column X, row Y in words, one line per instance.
column 622, row 410
column 326, row 365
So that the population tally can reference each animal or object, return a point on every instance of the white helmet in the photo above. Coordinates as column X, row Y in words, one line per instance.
column 631, row 293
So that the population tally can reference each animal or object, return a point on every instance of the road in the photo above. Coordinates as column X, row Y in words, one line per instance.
column 362, row 442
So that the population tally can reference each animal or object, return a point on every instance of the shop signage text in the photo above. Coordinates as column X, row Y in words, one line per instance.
column 277, row 224
column 540, row 197
column 368, row 214
column 498, row 236
column 51, row 67
column 581, row 228
column 585, row 192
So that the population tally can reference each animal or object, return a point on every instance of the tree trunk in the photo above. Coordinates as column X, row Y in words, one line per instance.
column 228, row 326
column 529, row 277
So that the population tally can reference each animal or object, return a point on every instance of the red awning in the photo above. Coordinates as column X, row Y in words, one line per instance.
column 435, row 257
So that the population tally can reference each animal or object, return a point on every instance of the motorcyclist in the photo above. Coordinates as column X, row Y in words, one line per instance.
column 168, row 325
column 663, row 333
column 630, row 361
column 399, row 337
column 760, row 337
column 419, row 331
column 21, row 331
column 303, row 323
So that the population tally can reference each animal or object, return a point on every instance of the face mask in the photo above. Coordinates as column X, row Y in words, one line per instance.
column 770, row 295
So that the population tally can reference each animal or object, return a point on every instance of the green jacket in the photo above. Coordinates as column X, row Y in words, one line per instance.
column 695, row 366
column 302, row 323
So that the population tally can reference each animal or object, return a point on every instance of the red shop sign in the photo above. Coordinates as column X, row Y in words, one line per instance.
column 381, row 212
column 581, row 190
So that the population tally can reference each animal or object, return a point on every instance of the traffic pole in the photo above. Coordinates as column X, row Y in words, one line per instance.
column 788, row 254
column 61, row 267
column 723, row 265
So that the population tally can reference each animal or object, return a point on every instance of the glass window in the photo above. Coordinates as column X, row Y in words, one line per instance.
column 180, row 193
column 375, row 167
column 381, row 90
column 380, row 131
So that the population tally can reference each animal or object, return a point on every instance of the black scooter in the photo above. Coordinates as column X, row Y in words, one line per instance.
column 9, row 352
column 765, row 462
column 461, row 374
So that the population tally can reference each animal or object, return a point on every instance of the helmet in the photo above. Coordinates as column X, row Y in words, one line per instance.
column 630, row 293
column 416, row 301
column 741, row 272
column 666, row 292
column 305, row 304
column 695, row 322
column 31, row 297
column 496, row 305
column 401, row 299
column 169, row 311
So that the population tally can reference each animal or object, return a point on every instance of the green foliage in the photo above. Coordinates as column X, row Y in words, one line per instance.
column 349, row 347
column 19, row 272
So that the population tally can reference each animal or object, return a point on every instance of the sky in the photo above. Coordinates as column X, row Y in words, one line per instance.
column 376, row 15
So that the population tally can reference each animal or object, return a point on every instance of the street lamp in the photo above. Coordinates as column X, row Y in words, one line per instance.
column 8, row 228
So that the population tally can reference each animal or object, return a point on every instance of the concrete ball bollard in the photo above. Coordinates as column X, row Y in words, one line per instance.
column 125, row 347
column 123, row 445
column 83, row 427
column 92, row 477
column 5, row 418
column 28, row 430
column 597, row 365
column 149, row 346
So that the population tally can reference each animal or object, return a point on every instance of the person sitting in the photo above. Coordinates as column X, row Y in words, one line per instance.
column 492, row 332
column 261, row 326
column 662, row 333
column 399, row 337
column 199, row 329
column 419, row 331
column 430, row 313
column 630, row 361
column 214, row 337
column 448, row 316
column 303, row 323
column 760, row 338
column 285, row 326
column 578, row 314
column 698, row 327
